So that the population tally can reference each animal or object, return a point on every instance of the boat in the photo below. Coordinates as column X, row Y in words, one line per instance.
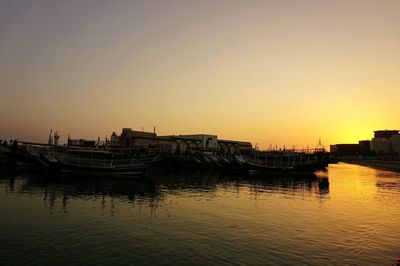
column 4, row 154
column 100, row 161
column 285, row 161
column 120, row 160
column 20, row 155
column 90, row 160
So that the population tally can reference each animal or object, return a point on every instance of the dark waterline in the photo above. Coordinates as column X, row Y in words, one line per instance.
column 347, row 215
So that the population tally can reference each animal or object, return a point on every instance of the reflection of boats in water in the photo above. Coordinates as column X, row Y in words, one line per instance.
column 310, row 182
column 58, row 188
column 76, row 185
column 210, row 180
column 160, row 181
column 84, row 185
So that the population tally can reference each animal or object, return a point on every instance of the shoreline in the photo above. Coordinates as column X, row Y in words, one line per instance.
column 380, row 164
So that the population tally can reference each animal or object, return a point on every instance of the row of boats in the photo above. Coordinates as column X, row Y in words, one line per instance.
column 126, row 162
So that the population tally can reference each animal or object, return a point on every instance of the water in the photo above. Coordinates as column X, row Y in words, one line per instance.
column 349, row 215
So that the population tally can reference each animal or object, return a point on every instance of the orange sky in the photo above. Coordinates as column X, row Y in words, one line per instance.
column 269, row 72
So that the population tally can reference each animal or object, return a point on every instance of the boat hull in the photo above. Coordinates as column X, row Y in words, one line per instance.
column 284, row 162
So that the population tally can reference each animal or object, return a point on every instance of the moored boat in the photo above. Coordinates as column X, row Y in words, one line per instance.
column 4, row 154
column 287, row 161
column 99, row 161
column 85, row 160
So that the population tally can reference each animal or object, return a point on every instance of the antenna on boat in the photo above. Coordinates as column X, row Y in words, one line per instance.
column 50, row 142
column 56, row 138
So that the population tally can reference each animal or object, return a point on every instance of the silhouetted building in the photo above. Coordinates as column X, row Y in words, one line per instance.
column 137, row 139
column 395, row 142
column 385, row 133
column 364, row 146
column 132, row 139
column 201, row 142
column 344, row 149
column 81, row 142
column 233, row 147
column 385, row 142
column 115, row 140
column 380, row 145
column 140, row 140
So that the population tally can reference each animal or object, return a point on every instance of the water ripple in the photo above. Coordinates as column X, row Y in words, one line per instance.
column 349, row 215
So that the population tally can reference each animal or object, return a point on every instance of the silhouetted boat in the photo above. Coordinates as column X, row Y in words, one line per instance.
column 69, row 159
column 130, row 163
column 4, row 154
column 82, row 160
column 20, row 155
column 287, row 161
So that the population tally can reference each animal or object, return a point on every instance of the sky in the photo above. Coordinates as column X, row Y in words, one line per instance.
column 269, row 72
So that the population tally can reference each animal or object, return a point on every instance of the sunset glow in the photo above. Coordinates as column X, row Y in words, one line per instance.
column 269, row 72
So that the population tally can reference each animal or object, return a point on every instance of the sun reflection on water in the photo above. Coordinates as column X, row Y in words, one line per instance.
column 347, row 214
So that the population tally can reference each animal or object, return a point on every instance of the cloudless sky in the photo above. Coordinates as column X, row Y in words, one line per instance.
column 270, row 72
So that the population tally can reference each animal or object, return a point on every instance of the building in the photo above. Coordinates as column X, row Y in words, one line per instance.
column 380, row 145
column 115, row 140
column 385, row 142
column 364, row 147
column 81, row 143
column 344, row 149
column 201, row 142
column 176, row 144
column 195, row 141
column 137, row 139
column 132, row 139
column 395, row 144
column 385, row 134
column 234, row 147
